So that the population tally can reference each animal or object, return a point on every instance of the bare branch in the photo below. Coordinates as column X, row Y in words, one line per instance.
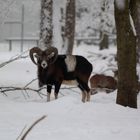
column 20, row 56
column 21, row 132
column 5, row 11
column 8, row 89
column 30, row 83
column 30, row 128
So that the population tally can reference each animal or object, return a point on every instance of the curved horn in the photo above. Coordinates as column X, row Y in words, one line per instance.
column 52, row 53
column 32, row 51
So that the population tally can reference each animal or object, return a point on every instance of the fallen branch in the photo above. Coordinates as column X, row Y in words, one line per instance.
column 26, row 89
column 23, row 136
column 21, row 132
column 30, row 83
column 8, row 89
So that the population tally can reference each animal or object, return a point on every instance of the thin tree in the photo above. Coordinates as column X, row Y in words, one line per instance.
column 103, row 35
column 46, row 28
column 69, row 26
column 126, row 56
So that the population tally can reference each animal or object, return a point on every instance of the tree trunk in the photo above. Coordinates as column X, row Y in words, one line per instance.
column 69, row 26
column 62, row 21
column 126, row 54
column 46, row 29
column 104, row 41
column 135, row 12
column 103, row 36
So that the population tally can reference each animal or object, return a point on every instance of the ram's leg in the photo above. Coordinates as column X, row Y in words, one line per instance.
column 85, row 91
column 57, row 88
column 88, row 96
column 88, row 92
column 84, row 96
column 49, row 88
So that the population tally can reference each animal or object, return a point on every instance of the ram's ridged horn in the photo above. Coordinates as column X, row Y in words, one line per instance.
column 32, row 51
column 50, row 51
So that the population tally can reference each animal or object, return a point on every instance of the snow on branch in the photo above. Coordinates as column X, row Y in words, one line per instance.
column 132, row 25
column 8, row 4
column 5, row 9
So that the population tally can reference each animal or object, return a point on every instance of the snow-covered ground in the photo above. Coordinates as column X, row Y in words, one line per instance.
column 67, row 118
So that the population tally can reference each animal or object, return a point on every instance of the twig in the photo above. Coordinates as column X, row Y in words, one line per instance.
column 8, row 89
column 20, row 56
column 38, row 91
column 30, row 128
column 21, row 132
column 30, row 82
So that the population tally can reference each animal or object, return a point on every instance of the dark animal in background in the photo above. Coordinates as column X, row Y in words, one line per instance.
column 100, row 81
column 54, row 69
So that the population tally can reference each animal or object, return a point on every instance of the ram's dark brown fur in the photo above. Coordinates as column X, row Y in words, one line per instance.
column 54, row 69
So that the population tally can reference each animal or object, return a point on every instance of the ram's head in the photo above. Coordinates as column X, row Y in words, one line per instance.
column 43, row 58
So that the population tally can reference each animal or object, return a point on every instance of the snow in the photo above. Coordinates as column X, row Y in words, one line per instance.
column 132, row 25
column 120, row 4
column 67, row 117
column 58, row 5
column 97, row 19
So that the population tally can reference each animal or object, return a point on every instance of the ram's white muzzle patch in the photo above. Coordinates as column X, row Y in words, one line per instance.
column 44, row 64
column 70, row 61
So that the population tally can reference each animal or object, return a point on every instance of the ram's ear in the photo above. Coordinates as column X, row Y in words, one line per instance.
column 52, row 53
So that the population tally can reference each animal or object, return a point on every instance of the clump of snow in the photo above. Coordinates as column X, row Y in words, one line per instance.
column 120, row 4
column 132, row 25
